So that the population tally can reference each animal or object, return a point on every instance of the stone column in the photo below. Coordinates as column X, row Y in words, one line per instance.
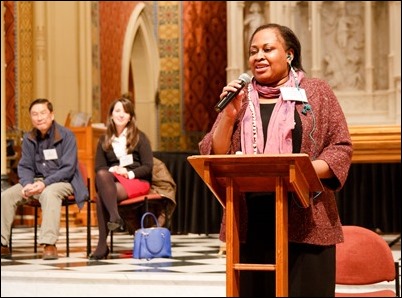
column 4, row 176
column 235, row 36
column 40, row 50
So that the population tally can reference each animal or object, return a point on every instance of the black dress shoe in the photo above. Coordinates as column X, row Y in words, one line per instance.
column 116, row 226
column 94, row 257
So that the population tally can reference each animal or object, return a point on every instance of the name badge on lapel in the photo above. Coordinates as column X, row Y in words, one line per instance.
column 126, row 160
column 50, row 154
column 296, row 94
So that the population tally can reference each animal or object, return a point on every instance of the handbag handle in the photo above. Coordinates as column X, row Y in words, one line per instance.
column 149, row 213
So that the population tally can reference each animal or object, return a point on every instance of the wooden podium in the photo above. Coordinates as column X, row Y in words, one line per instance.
column 227, row 176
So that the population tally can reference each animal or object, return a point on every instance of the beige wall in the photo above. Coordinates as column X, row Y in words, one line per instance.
column 66, row 55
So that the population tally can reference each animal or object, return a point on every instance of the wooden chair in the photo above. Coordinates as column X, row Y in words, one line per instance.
column 365, row 259
column 66, row 202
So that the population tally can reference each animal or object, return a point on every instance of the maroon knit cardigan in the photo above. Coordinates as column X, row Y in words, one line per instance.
column 318, row 224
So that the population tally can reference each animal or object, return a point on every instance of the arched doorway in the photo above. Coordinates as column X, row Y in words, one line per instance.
column 140, row 71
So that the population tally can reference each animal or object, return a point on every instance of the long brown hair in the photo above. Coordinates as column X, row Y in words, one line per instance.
column 132, row 130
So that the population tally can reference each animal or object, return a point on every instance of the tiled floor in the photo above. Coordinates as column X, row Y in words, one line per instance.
column 195, row 269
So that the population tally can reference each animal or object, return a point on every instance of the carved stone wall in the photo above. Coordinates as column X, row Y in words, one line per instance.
column 343, row 45
column 348, row 43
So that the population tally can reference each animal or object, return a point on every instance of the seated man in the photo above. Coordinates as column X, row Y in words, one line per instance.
column 48, row 171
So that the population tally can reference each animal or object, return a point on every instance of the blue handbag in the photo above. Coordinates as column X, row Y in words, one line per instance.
column 152, row 242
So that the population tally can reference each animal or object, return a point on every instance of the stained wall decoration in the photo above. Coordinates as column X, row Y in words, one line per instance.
column 10, row 60
column 204, row 61
column 170, row 83
column 19, row 64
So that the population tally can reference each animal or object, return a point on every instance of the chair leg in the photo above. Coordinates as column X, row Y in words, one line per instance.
column 89, row 227
column 397, row 284
column 36, row 230
column 146, row 206
column 167, row 220
column 67, row 231
column 111, row 241
column 10, row 242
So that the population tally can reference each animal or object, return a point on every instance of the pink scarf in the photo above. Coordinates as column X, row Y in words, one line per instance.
column 280, row 125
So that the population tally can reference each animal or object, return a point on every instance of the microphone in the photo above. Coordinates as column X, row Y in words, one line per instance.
column 245, row 79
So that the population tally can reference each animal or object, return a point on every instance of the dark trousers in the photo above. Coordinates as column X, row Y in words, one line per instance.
column 311, row 267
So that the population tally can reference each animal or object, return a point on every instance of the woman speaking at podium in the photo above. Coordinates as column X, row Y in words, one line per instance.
column 282, row 111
